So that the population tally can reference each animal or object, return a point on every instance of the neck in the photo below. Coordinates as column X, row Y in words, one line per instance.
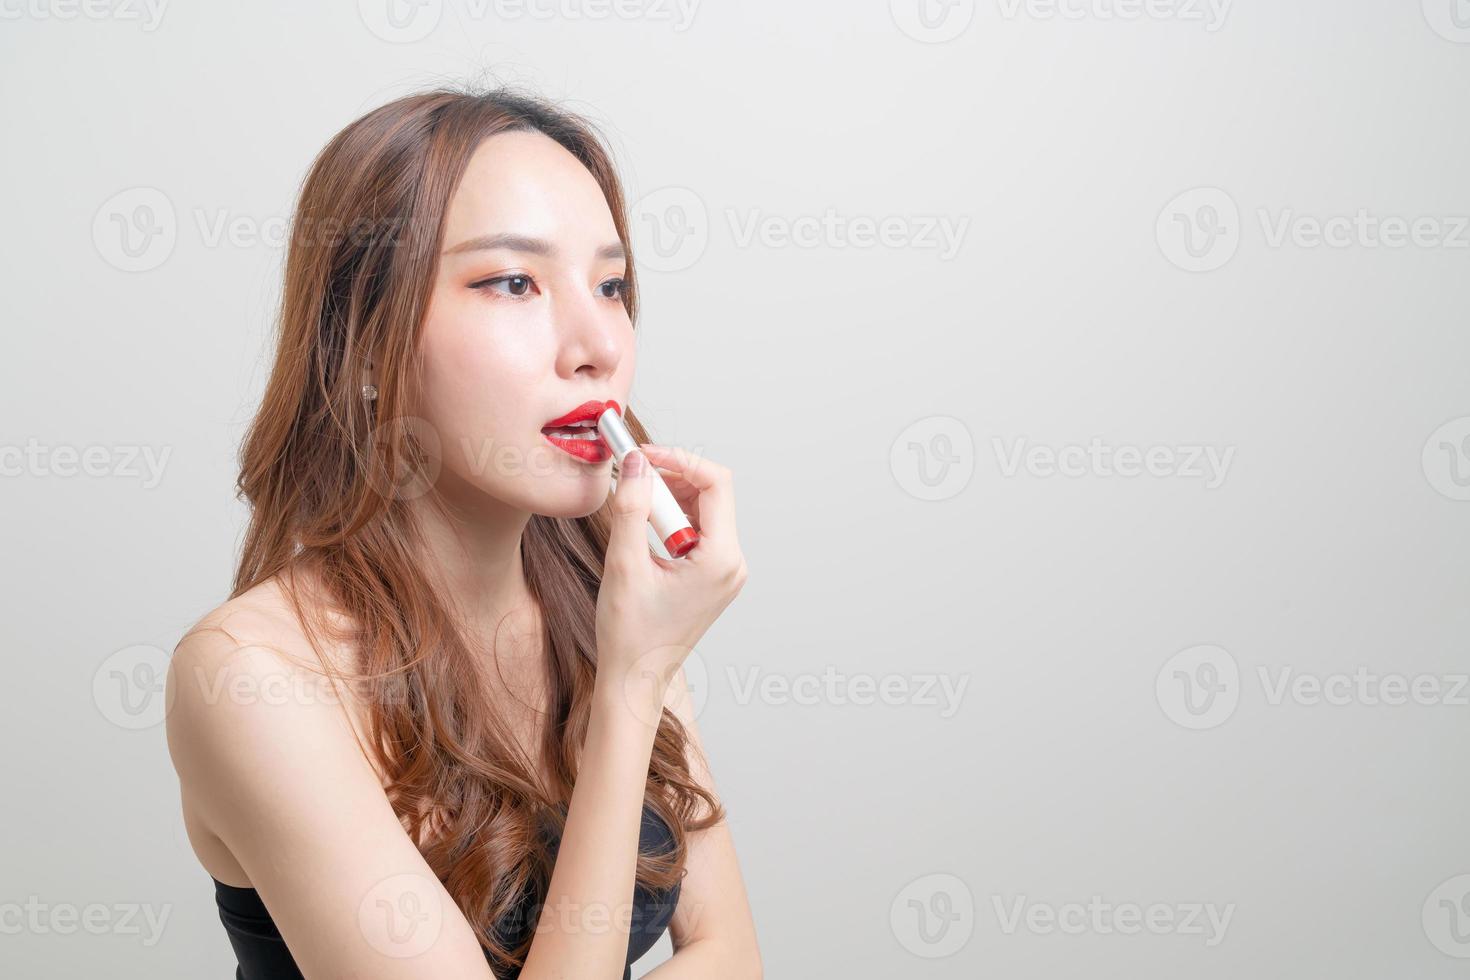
column 474, row 553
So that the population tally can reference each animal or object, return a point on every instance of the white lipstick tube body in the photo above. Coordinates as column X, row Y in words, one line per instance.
column 669, row 521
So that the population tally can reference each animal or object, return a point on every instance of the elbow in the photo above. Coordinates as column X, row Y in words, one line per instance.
column 733, row 961
column 725, row 959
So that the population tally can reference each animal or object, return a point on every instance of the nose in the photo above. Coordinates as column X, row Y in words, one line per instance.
column 592, row 336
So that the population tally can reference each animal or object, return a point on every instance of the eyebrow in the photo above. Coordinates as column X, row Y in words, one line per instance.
column 522, row 243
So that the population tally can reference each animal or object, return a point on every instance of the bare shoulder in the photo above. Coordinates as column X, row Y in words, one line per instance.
column 244, row 683
column 279, row 796
column 265, row 617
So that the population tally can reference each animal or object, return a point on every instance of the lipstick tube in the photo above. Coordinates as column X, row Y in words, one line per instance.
column 664, row 513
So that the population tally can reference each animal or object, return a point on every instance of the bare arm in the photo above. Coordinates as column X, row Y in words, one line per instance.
column 583, row 929
column 713, row 930
column 650, row 613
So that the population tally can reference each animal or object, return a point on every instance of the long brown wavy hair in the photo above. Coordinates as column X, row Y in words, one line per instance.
column 363, row 257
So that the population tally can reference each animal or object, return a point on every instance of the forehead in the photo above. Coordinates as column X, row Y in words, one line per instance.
column 527, row 183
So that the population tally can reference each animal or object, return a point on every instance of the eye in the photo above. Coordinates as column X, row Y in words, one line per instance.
column 612, row 289
column 516, row 285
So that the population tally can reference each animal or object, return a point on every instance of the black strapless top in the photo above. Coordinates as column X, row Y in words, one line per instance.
column 262, row 953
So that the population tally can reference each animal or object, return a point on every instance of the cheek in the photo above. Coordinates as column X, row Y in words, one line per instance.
column 480, row 382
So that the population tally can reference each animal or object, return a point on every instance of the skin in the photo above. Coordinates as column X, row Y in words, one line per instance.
column 277, row 791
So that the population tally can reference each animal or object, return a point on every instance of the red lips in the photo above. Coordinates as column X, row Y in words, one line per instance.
column 585, row 412
column 585, row 443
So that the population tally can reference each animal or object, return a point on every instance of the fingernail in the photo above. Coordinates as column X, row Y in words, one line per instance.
column 634, row 463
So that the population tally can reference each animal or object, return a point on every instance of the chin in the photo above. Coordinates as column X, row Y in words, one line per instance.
column 571, row 489
column 567, row 502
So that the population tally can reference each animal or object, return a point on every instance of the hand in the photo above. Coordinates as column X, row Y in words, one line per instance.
column 651, row 611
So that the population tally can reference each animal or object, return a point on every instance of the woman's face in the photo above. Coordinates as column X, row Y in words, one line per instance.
column 526, row 323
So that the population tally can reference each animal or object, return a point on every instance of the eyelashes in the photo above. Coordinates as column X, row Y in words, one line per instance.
column 519, row 286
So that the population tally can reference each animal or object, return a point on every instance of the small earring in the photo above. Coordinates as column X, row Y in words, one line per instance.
column 370, row 393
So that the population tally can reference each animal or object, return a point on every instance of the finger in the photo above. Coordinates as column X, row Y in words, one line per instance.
column 628, row 538
column 685, row 494
column 712, row 482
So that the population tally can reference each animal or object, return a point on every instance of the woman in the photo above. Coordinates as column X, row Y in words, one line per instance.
column 440, row 728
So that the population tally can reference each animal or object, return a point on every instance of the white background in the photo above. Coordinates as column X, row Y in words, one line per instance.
column 869, row 398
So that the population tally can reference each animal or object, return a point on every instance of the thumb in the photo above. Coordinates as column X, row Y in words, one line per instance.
column 630, row 505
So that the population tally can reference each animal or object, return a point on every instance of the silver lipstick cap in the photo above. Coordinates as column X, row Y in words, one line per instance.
column 615, row 433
